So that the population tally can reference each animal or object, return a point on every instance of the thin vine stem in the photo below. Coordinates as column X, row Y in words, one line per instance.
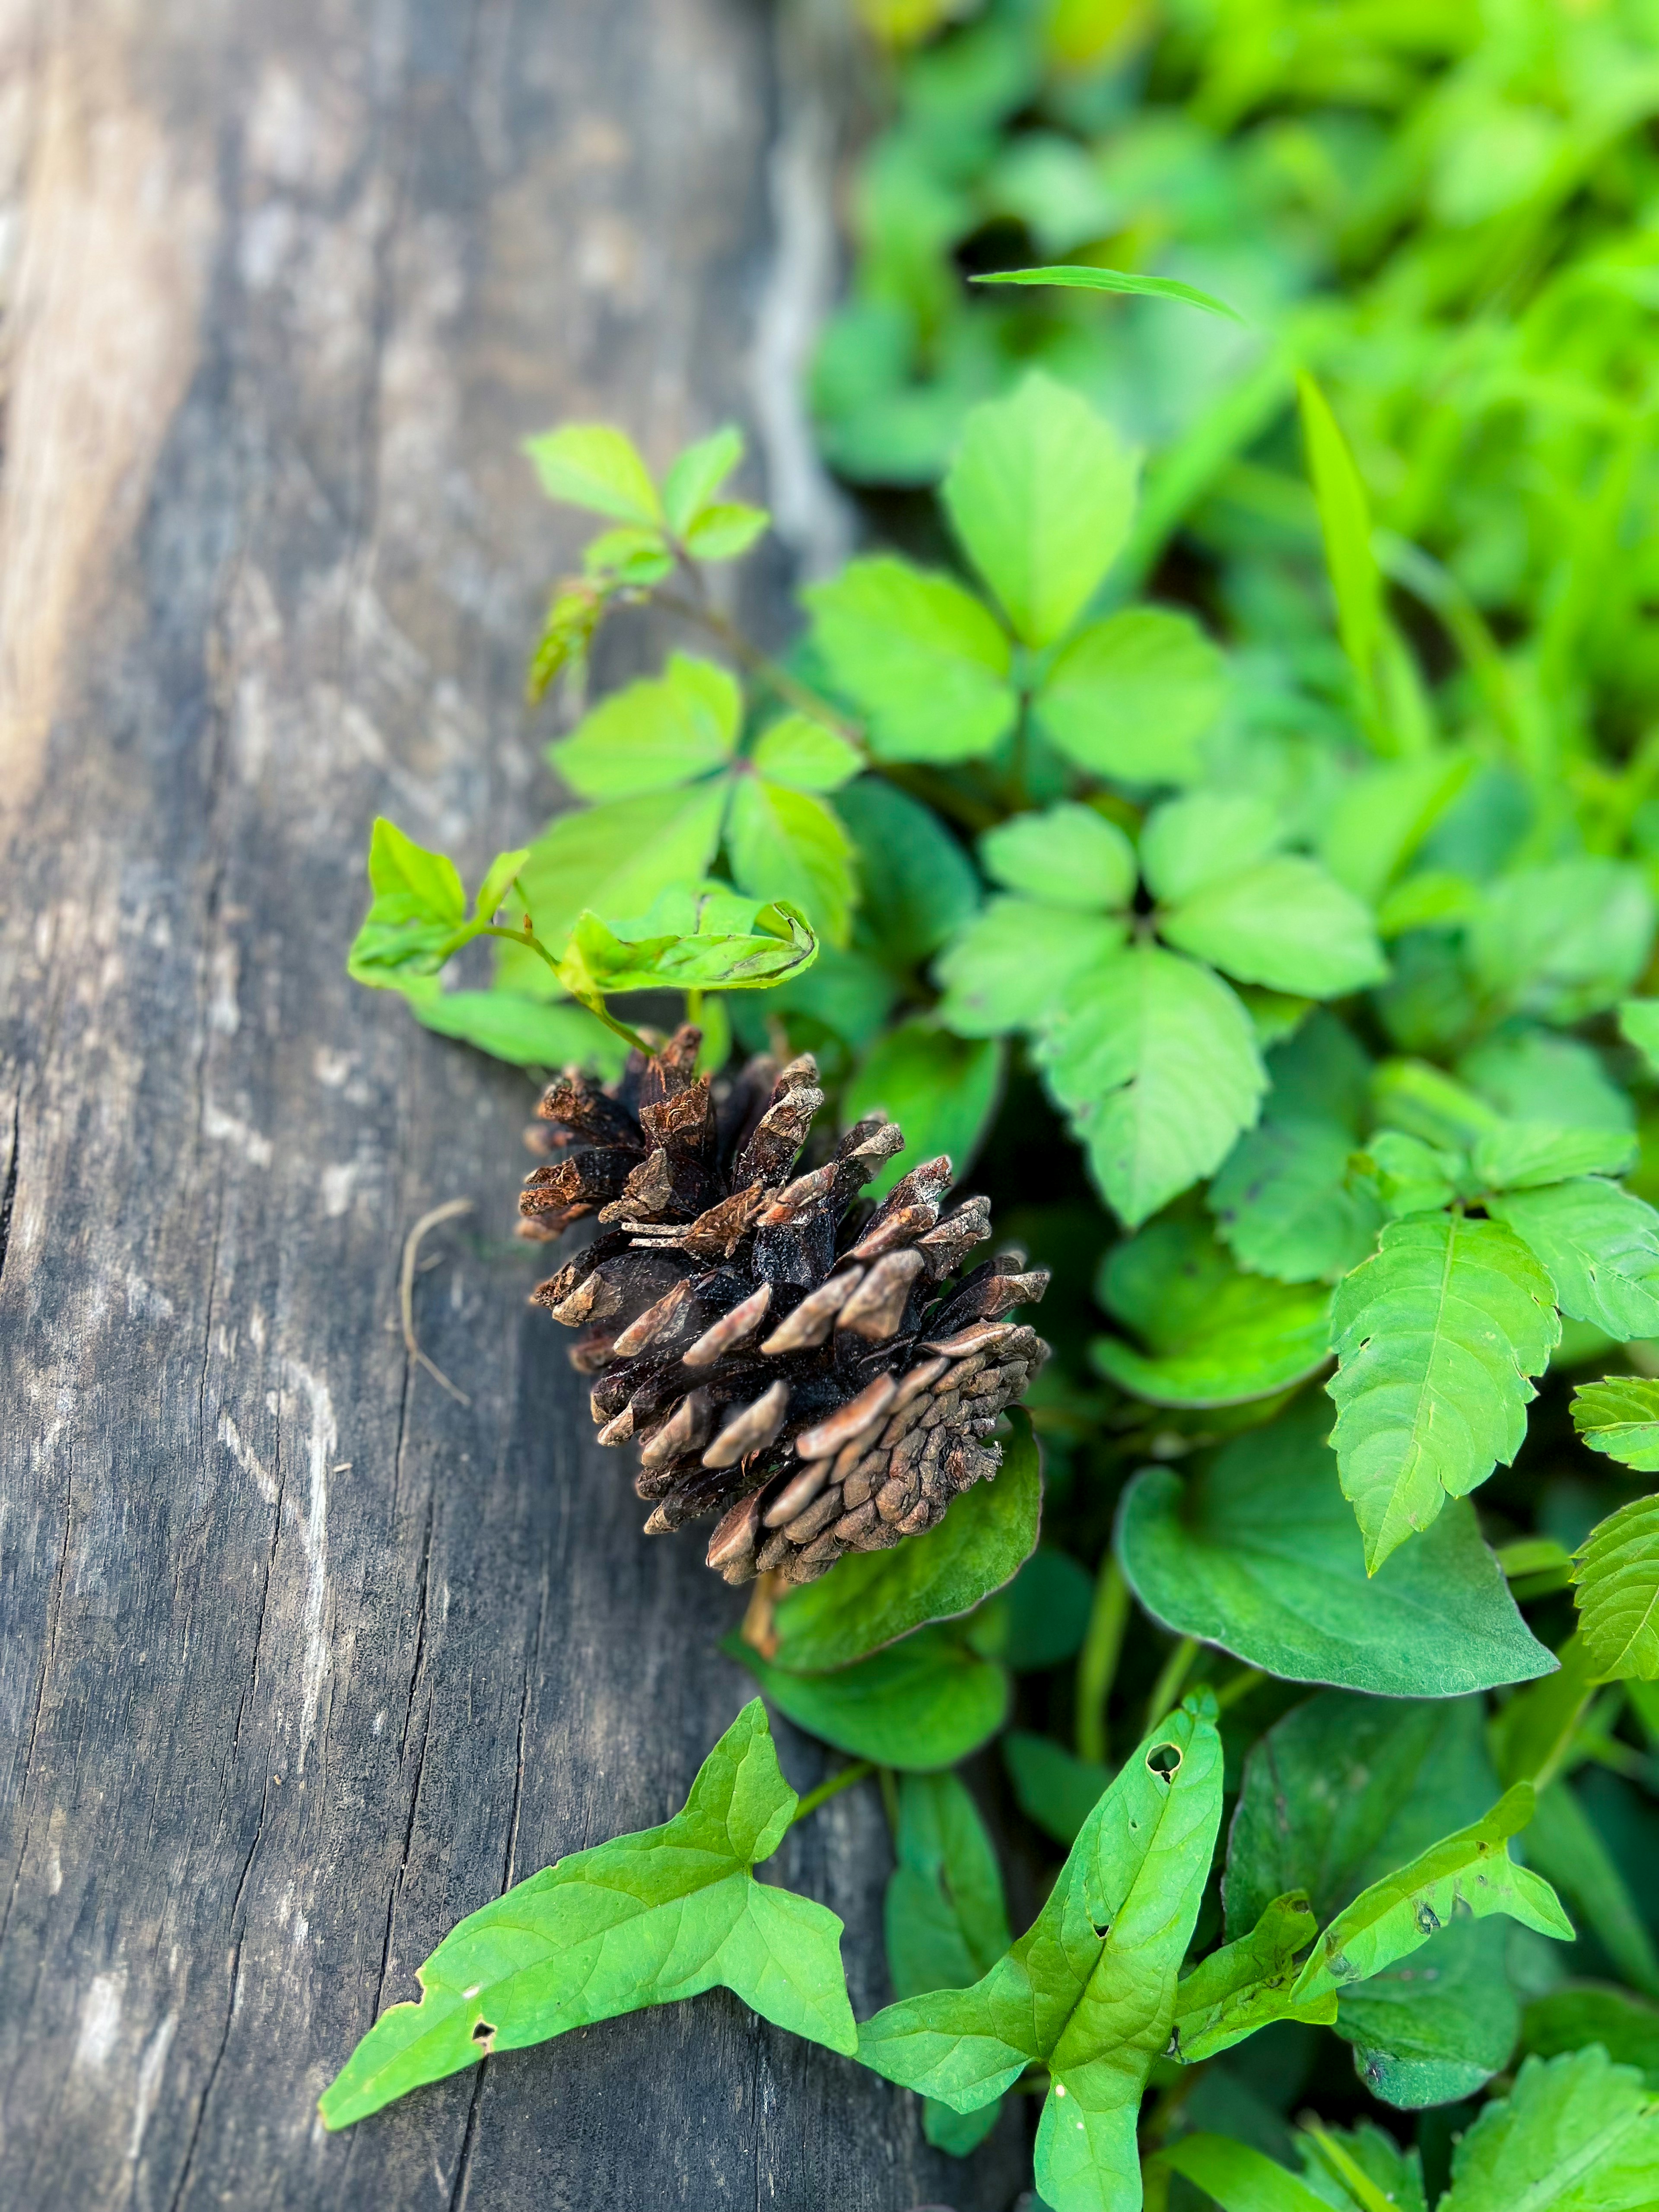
column 600, row 1012
column 1096, row 1666
column 833, row 1787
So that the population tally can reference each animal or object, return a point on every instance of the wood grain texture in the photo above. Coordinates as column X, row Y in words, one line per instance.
column 302, row 1659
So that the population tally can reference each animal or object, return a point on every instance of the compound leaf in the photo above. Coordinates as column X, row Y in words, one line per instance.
column 1130, row 696
column 1601, row 1246
column 662, row 731
column 920, row 656
column 592, row 466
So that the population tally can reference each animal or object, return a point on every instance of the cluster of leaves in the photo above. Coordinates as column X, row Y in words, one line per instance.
column 1288, row 960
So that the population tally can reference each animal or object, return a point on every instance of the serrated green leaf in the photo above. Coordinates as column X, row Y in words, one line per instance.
column 919, row 1704
column 1212, row 1336
column 1600, row 1247
column 1620, row 1416
column 1285, row 923
column 643, row 1920
column 919, row 655
column 697, row 473
column 1247, row 1983
column 1067, row 856
column 1015, row 962
column 1618, row 1592
column 1436, row 1337
column 1287, row 1204
column 1154, row 1059
column 705, row 938
column 726, row 531
column 1091, row 1987
column 1085, row 277
column 1345, row 523
column 591, row 466
column 620, row 858
column 1206, row 838
column 1131, row 695
column 786, row 844
column 875, row 1597
column 417, row 916
column 653, row 734
column 524, row 1032
column 1051, row 1785
column 1527, row 1155
column 942, row 1089
column 1564, row 940
column 1576, row 2134
column 1258, row 1553
column 806, row 754
column 1041, row 493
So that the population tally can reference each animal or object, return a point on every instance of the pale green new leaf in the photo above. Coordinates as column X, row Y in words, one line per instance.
column 784, row 843
column 1576, row 2134
column 1207, row 837
column 1085, row 277
column 1041, row 493
column 1436, row 1336
column 1068, row 856
column 1345, row 523
column 1563, row 940
column 1155, row 1060
column 724, row 532
column 705, row 939
column 697, row 474
column 920, row 656
column 643, row 1920
column 1618, row 1592
column 807, row 754
column 1130, row 696
column 655, row 733
column 1285, row 923
column 1016, row 962
column 620, row 858
column 1639, row 1023
column 1091, row 1987
column 1527, row 1155
column 1620, row 1416
column 1469, row 1874
column 1247, row 1983
column 417, row 916
column 590, row 465
column 1601, row 1246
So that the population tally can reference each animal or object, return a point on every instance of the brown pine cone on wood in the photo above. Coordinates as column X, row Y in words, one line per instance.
column 821, row 1375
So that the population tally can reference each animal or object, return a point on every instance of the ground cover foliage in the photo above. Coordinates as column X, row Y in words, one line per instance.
column 1221, row 819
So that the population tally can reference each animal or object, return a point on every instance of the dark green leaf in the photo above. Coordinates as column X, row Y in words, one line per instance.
column 1580, row 2013
column 644, row 1920
column 920, row 1705
column 919, row 885
column 1051, row 1786
column 1260, row 1554
column 1566, row 1847
column 921, row 656
column 1435, row 1337
column 1601, row 1246
column 1041, row 1618
column 1438, row 2026
column 1041, row 493
column 590, row 465
column 942, row 1090
column 1069, row 856
column 653, row 734
column 1131, row 695
column 1083, row 277
column 874, row 1597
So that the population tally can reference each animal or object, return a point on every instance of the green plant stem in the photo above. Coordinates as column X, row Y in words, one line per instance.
column 1167, row 1689
column 1240, row 1686
column 889, row 1798
column 1096, row 1665
column 764, row 670
column 693, row 1005
column 597, row 1010
column 833, row 1787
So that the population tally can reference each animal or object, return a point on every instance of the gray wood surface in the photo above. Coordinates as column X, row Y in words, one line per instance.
column 302, row 1659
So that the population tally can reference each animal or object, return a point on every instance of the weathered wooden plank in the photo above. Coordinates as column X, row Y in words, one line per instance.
column 302, row 1657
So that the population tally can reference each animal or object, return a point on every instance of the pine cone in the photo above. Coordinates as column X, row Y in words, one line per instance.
column 782, row 1354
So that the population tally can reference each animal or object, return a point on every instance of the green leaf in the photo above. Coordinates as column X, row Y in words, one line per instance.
column 724, row 533
column 643, row 1920
column 1154, row 1059
column 417, row 916
column 1638, row 1025
column 1258, row 1553
column 1239, row 2178
column 1620, row 1416
column 1526, row 1155
column 919, row 885
column 1052, row 1787
column 619, row 858
column 1213, row 1337
column 1207, row 837
column 1469, row 1874
column 590, row 465
column 1438, row 2028
column 1247, row 1983
column 702, row 939
column 922, row 1704
column 941, row 1089
column 1345, row 522
column 1130, row 696
column 655, row 733
column 1287, row 1205
column 1618, row 1592
column 1041, row 493
column 1015, row 964
column 947, row 1921
column 800, row 751
column 919, row 655
column 1406, row 1175
column 1041, row 1618
column 1069, row 856
column 1534, row 1074
column 1285, row 923
column 498, row 880
column 1601, row 1246
column 1576, row 2134
column 1364, row 2170
column 1566, row 1847
column 1084, row 277
column 1436, row 1336
column 1566, row 2019
column 697, row 474
column 1091, row 1987
column 786, row 844
column 1564, row 940
column 526, row 1032
column 875, row 1597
